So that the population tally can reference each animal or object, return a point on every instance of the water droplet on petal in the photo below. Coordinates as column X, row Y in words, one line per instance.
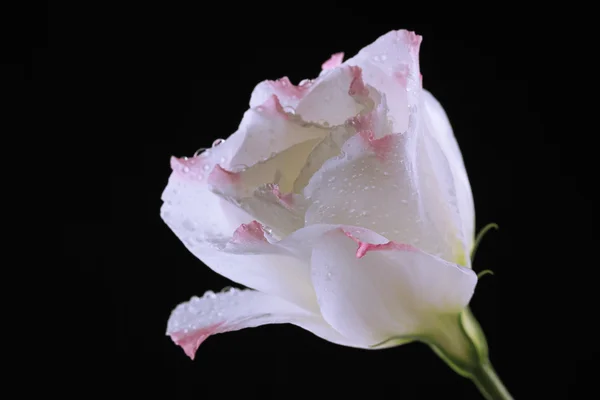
column 206, row 167
column 186, row 169
column 217, row 142
column 202, row 152
column 209, row 294
column 289, row 110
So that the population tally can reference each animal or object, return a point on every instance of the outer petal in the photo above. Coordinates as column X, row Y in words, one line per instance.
column 194, row 321
column 391, row 290
column 437, row 124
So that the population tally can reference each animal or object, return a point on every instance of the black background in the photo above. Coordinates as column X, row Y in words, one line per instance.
column 138, row 84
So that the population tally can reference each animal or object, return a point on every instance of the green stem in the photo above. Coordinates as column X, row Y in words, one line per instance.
column 488, row 383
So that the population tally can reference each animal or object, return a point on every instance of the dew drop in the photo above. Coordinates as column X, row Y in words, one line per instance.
column 206, row 167
column 289, row 110
column 217, row 142
column 186, row 169
column 202, row 152
column 209, row 294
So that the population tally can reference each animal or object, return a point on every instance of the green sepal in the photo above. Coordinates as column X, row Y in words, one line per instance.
column 480, row 236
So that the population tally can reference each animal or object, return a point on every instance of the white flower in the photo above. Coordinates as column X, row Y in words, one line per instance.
column 343, row 203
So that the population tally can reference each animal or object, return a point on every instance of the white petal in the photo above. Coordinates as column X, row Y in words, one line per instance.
column 373, row 185
column 194, row 321
column 437, row 189
column 392, row 290
column 192, row 211
column 438, row 125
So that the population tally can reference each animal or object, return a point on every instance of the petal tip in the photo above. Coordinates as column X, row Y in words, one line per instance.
column 334, row 61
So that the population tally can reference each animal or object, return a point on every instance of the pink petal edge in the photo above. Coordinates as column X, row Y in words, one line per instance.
column 334, row 61
column 190, row 341
column 364, row 247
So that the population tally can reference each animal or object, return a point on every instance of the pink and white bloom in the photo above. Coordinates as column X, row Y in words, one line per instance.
column 342, row 203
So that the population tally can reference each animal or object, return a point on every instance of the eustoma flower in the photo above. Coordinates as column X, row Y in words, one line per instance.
column 343, row 204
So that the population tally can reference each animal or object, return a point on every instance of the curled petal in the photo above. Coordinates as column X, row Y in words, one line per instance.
column 391, row 65
column 331, row 99
column 192, row 322
column 266, row 130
